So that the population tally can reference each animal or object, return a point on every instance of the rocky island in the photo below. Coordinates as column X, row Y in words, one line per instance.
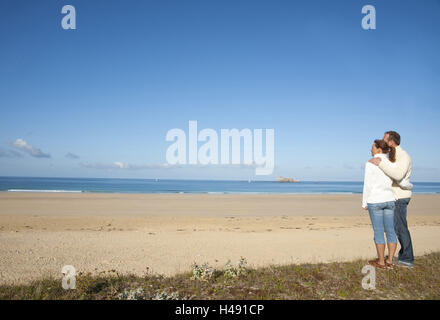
column 282, row 179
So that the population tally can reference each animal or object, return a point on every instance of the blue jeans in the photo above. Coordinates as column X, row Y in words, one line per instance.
column 406, row 253
column 382, row 219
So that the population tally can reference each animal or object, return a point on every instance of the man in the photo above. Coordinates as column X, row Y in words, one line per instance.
column 401, row 171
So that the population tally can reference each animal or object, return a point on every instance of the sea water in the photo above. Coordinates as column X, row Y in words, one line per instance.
column 106, row 185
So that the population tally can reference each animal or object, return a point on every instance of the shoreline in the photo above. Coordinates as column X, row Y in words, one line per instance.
column 200, row 192
column 192, row 192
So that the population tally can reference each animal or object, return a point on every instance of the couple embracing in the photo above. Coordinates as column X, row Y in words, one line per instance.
column 386, row 195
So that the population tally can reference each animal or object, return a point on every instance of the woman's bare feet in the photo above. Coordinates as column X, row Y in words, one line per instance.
column 389, row 262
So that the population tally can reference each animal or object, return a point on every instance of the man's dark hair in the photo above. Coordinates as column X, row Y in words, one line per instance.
column 393, row 136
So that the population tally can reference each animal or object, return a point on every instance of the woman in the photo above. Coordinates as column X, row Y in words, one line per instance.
column 378, row 198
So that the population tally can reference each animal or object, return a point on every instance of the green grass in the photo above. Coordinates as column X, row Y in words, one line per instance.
column 305, row 281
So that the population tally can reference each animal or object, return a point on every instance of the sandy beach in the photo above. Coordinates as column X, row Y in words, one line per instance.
column 166, row 233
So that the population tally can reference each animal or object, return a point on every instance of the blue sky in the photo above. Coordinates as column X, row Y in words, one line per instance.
column 132, row 70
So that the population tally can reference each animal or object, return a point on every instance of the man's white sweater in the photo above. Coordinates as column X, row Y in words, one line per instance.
column 400, row 171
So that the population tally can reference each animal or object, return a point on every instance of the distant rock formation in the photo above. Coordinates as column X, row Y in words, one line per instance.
column 282, row 179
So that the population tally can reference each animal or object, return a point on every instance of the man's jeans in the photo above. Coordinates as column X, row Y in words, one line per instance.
column 401, row 226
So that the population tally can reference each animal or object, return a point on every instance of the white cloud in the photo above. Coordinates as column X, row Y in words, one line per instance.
column 126, row 166
column 129, row 166
column 22, row 145
column 71, row 155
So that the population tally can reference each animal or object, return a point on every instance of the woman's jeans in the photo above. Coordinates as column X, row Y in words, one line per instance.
column 382, row 219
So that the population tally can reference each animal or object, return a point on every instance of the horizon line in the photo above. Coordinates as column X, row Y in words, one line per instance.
column 177, row 179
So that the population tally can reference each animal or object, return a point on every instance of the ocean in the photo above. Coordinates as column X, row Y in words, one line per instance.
column 106, row 185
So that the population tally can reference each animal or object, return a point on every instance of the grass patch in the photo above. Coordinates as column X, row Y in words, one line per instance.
column 305, row 281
